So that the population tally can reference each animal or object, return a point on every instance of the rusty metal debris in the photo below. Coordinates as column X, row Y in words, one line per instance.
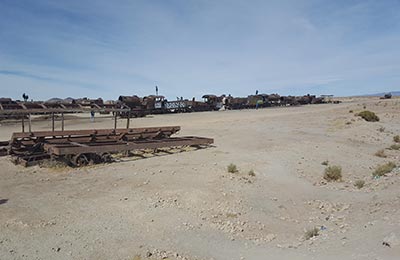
column 4, row 147
column 83, row 147
column 10, row 109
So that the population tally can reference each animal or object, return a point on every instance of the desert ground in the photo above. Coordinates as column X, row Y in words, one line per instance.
column 188, row 206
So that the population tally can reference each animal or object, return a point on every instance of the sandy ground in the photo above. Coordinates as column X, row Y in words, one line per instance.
column 187, row 206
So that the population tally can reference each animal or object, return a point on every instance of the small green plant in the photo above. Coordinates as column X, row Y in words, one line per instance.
column 326, row 162
column 359, row 183
column 381, row 153
column 395, row 147
column 368, row 116
column 396, row 138
column 252, row 173
column 383, row 169
column 232, row 168
column 333, row 173
column 231, row 215
column 310, row 233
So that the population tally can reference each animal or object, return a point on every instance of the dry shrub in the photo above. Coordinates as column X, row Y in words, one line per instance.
column 381, row 153
column 368, row 116
column 252, row 173
column 350, row 111
column 53, row 164
column 382, row 169
column 232, row 168
column 359, row 183
column 396, row 138
column 395, row 147
column 381, row 129
column 310, row 233
column 333, row 173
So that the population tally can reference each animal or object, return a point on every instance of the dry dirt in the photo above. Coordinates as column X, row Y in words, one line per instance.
column 187, row 206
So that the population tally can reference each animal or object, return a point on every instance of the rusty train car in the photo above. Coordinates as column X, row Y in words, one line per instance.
column 160, row 105
column 135, row 106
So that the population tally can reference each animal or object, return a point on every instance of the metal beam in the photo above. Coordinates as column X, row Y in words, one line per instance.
column 71, row 148
column 99, row 132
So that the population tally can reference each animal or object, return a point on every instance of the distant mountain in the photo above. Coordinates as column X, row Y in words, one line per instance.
column 394, row 93
column 54, row 100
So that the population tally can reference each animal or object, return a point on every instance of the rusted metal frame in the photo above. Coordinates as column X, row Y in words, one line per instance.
column 67, row 140
column 99, row 138
column 88, row 139
column 126, row 146
column 30, row 160
column 172, row 129
column 29, row 139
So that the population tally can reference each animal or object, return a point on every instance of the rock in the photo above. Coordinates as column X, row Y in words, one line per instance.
column 270, row 237
column 391, row 240
column 56, row 249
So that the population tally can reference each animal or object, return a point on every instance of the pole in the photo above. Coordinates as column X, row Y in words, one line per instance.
column 115, row 121
column 30, row 124
column 23, row 123
column 62, row 121
column 127, row 120
column 52, row 121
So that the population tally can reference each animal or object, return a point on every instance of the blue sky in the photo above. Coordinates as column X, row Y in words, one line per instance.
column 103, row 48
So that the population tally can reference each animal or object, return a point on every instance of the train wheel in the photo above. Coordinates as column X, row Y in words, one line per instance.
column 80, row 160
column 106, row 158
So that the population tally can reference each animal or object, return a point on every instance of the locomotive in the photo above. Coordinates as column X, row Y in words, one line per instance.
column 160, row 105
